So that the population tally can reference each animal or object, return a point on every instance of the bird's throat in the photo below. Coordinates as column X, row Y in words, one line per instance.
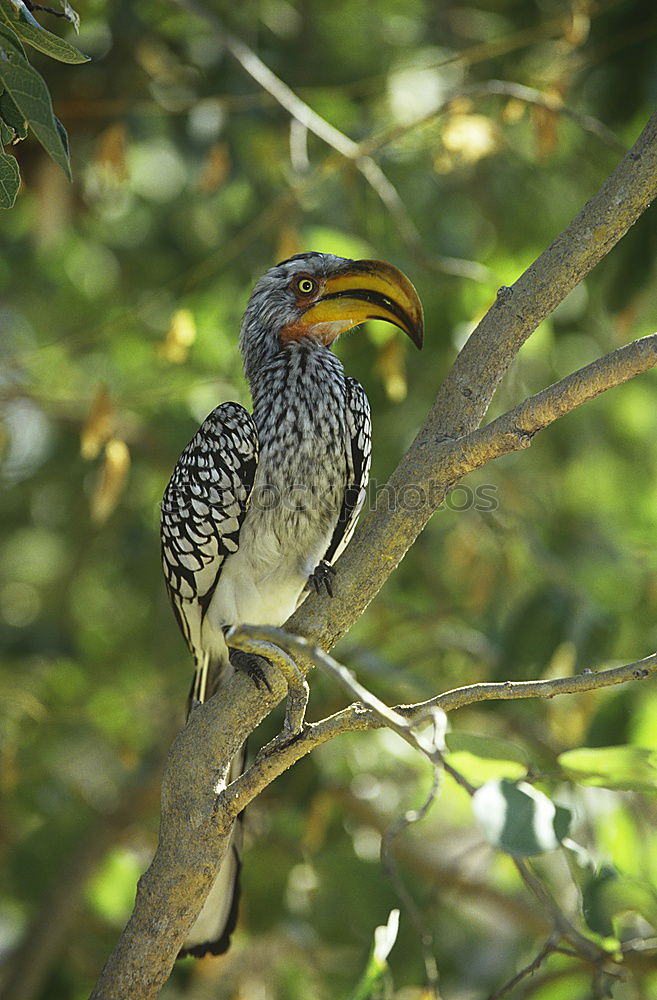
column 323, row 333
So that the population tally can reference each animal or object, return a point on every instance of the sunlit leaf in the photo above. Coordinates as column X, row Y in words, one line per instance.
column 608, row 894
column 624, row 767
column 112, row 891
column 99, row 424
column 470, row 137
column 519, row 819
column 481, row 759
column 179, row 337
column 513, row 111
column 112, row 480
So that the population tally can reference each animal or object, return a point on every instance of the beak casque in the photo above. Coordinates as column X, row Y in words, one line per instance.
column 357, row 291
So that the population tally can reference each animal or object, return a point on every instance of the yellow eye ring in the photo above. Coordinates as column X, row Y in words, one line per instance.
column 306, row 286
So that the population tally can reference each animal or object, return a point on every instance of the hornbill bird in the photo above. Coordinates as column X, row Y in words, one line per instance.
column 259, row 507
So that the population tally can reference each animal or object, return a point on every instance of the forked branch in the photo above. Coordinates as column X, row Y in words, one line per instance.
column 196, row 812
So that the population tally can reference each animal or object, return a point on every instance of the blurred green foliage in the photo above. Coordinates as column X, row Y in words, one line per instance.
column 120, row 301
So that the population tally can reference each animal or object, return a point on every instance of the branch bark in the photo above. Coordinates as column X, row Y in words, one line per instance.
column 361, row 717
column 196, row 812
column 384, row 537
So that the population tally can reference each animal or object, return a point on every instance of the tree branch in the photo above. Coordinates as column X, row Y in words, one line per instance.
column 197, row 810
column 197, row 813
column 362, row 717
column 497, row 88
column 384, row 536
column 351, row 151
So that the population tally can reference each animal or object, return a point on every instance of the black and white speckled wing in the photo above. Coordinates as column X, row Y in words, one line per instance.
column 359, row 452
column 203, row 508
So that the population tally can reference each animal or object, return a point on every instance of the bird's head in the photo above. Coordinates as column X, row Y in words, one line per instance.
column 316, row 297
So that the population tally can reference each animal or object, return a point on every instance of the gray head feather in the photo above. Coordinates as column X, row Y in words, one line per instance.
column 273, row 304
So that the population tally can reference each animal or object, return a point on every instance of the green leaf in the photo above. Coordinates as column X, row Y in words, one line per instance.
column 12, row 117
column 112, row 891
column 9, row 180
column 63, row 135
column 519, row 819
column 486, row 747
column 54, row 46
column 625, row 767
column 6, row 133
column 481, row 759
column 608, row 894
column 30, row 94
column 10, row 43
column 596, row 913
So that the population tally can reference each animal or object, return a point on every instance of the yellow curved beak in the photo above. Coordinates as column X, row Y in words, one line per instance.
column 361, row 290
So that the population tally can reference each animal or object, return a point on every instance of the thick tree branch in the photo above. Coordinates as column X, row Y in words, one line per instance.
column 384, row 536
column 196, row 816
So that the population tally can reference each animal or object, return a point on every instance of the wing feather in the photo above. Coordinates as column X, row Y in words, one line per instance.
column 203, row 508
column 359, row 452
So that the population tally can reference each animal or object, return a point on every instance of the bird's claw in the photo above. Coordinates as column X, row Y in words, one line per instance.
column 321, row 577
column 254, row 666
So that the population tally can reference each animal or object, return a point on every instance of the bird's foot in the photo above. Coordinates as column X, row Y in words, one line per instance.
column 298, row 691
column 253, row 665
column 321, row 577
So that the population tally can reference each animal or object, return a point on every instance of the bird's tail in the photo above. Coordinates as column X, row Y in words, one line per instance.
column 211, row 931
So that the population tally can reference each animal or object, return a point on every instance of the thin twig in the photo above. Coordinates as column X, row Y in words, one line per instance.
column 251, row 638
column 350, row 150
column 171, row 893
column 583, row 945
column 357, row 718
column 545, row 952
column 376, row 713
column 495, row 88
column 391, row 867
column 242, row 637
column 589, row 680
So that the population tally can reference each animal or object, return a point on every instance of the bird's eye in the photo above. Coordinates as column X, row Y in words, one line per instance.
column 306, row 286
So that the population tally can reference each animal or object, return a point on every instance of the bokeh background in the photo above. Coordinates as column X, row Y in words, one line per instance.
column 120, row 301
